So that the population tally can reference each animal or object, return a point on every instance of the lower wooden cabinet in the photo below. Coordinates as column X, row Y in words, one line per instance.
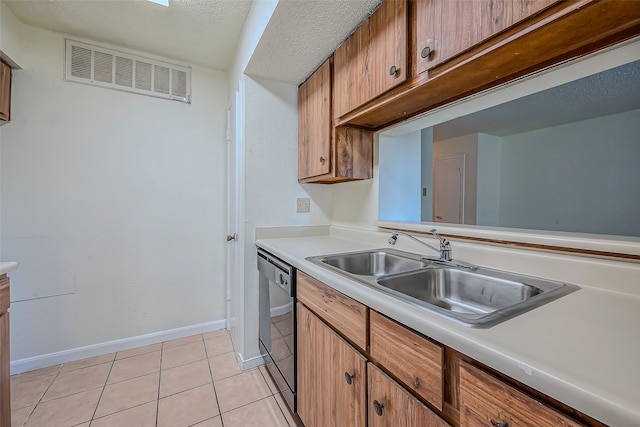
column 411, row 358
column 487, row 401
column 331, row 376
column 398, row 377
column 5, row 375
column 392, row 406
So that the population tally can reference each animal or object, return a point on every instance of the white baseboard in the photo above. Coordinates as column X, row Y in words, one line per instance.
column 283, row 309
column 65, row 356
column 250, row 363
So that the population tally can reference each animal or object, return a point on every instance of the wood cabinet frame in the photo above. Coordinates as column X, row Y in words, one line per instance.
column 5, row 92
column 324, row 304
column 565, row 30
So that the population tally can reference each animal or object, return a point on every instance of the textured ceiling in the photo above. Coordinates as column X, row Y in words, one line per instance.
column 613, row 91
column 203, row 32
column 301, row 34
column 298, row 37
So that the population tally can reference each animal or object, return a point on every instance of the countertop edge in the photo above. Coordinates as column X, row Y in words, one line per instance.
column 7, row 266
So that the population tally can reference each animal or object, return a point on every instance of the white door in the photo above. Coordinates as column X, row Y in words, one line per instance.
column 233, row 166
column 448, row 204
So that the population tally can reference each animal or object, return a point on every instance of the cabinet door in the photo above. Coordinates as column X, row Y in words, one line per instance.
column 314, row 123
column 462, row 27
column 341, row 312
column 411, row 358
column 331, row 376
column 373, row 59
column 5, row 379
column 391, row 406
column 448, row 27
column 486, row 401
column 426, row 34
column 5, row 91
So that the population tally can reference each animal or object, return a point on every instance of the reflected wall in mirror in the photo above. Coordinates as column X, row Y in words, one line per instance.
column 562, row 159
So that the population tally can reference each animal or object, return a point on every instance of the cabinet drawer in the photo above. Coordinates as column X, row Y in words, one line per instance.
column 346, row 315
column 414, row 360
column 485, row 401
column 4, row 294
column 390, row 405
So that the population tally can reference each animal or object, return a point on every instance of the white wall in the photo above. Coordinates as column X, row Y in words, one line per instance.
column 400, row 177
column 488, row 185
column 112, row 204
column 592, row 163
column 271, row 186
column 11, row 39
column 426, row 174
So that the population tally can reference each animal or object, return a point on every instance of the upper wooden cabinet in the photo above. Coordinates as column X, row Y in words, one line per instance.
column 444, row 28
column 5, row 92
column 373, row 59
column 485, row 43
column 327, row 154
column 314, row 123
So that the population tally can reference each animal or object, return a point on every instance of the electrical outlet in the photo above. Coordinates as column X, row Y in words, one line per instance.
column 303, row 205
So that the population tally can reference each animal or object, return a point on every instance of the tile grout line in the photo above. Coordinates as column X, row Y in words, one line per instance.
column 213, row 383
column 102, row 392
column 274, row 395
column 40, row 399
column 159, row 382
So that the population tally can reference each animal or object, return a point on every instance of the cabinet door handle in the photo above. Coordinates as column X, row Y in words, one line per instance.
column 348, row 378
column 322, row 160
column 499, row 423
column 377, row 406
column 428, row 49
column 393, row 70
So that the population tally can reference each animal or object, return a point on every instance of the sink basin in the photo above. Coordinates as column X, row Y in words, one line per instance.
column 372, row 263
column 478, row 297
column 460, row 291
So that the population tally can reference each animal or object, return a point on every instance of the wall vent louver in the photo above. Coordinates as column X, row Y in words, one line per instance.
column 109, row 68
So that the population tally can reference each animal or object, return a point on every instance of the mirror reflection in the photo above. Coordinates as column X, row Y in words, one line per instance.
column 563, row 159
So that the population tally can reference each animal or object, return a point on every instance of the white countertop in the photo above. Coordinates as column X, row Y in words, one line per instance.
column 582, row 349
column 6, row 267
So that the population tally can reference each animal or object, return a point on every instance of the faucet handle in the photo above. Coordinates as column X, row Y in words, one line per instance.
column 445, row 246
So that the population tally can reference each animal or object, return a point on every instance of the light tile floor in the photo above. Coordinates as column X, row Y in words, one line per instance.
column 193, row 381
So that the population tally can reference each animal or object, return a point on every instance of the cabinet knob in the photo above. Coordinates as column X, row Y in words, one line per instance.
column 499, row 423
column 393, row 70
column 348, row 378
column 428, row 48
column 322, row 160
column 377, row 406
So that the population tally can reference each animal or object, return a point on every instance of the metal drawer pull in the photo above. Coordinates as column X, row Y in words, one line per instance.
column 425, row 52
column 321, row 159
column 499, row 423
column 377, row 406
column 393, row 70
column 348, row 378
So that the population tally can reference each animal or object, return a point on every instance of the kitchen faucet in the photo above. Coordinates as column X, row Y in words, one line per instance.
column 445, row 249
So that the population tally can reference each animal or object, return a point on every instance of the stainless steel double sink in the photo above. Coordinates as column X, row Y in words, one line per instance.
column 477, row 297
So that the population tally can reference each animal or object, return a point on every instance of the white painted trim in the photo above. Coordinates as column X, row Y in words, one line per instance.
column 283, row 309
column 65, row 356
column 251, row 363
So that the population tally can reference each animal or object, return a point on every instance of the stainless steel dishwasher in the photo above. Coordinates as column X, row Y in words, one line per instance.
column 277, row 312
